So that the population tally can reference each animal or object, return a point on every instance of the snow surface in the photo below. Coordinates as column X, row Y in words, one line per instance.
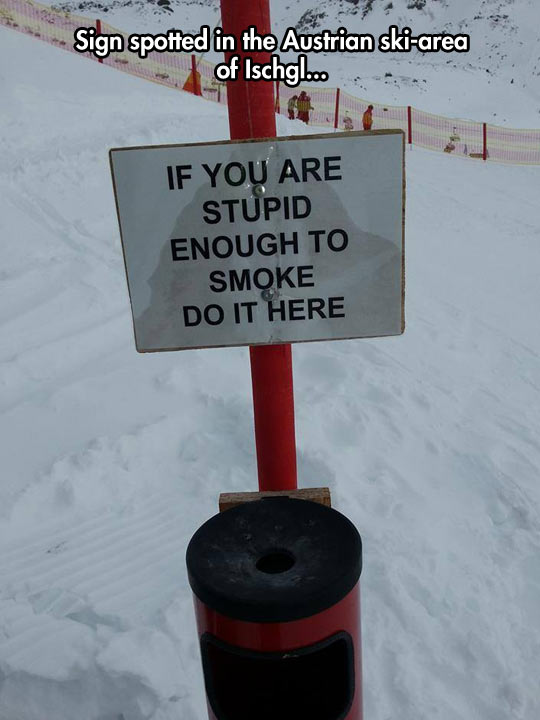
column 110, row 460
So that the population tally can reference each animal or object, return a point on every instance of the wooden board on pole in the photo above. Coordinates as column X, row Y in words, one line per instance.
column 319, row 495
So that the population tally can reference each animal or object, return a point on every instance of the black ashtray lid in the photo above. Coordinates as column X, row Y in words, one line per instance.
column 274, row 560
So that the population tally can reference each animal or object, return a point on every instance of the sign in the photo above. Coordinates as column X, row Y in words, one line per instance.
column 266, row 241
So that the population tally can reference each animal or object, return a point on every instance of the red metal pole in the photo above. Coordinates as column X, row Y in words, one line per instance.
column 98, row 32
column 409, row 123
column 196, row 88
column 278, row 107
column 251, row 115
column 336, row 114
column 484, row 153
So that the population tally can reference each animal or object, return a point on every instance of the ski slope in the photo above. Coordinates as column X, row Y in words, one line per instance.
column 110, row 460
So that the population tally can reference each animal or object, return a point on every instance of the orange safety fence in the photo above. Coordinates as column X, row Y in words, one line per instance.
column 171, row 69
column 329, row 107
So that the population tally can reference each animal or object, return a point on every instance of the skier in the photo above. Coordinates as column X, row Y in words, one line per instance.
column 367, row 118
column 347, row 122
column 291, row 105
column 304, row 106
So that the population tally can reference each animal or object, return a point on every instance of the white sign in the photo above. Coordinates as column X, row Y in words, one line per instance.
column 265, row 241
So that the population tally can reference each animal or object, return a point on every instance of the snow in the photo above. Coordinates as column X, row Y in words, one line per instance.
column 111, row 460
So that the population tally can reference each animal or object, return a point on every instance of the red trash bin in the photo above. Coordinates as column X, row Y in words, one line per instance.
column 277, row 601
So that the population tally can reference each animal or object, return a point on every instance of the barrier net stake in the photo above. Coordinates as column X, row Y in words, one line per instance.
column 251, row 115
column 336, row 114
column 409, row 124
column 484, row 151
column 98, row 32
column 194, row 75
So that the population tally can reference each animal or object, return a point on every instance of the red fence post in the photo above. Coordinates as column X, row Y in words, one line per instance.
column 409, row 124
column 484, row 152
column 251, row 115
column 195, row 76
column 336, row 114
column 98, row 32
column 278, row 108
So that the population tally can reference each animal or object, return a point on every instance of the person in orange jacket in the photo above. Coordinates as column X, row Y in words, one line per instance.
column 367, row 118
column 304, row 106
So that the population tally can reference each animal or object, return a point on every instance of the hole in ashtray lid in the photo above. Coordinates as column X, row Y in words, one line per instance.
column 275, row 561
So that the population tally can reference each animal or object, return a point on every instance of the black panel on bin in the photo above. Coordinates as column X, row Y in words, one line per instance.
column 312, row 683
column 274, row 560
